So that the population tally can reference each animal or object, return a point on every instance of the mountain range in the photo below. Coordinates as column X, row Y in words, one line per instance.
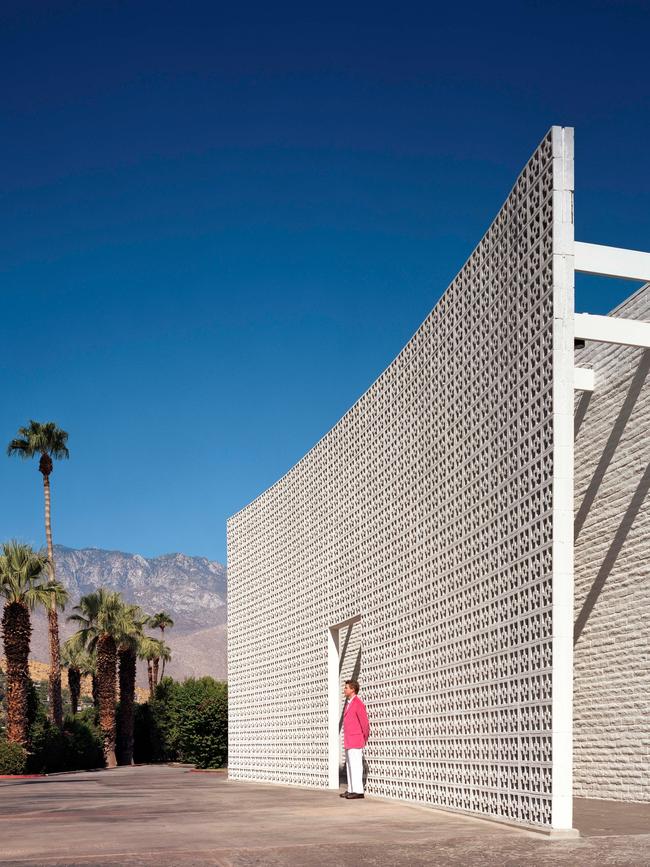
column 192, row 590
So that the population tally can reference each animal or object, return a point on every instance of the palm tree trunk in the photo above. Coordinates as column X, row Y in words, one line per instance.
column 150, row 676
column 74, row 685
column 162, row 638
column 17, row 632
column 156, row 663
column 48, row 517
column 54, row 681
column 106, row 660
column 127, row 697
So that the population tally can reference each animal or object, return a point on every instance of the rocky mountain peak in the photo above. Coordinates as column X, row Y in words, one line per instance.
column 192, row 589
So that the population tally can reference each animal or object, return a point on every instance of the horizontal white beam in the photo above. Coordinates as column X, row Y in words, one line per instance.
column 612, row 329
column 612, row 261
column 584, row 379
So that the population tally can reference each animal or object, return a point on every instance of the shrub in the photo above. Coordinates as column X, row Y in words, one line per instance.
column 84, row 749
column 201, row 731
column 187, row 722
column 13, row 758
column 47, row 747
column 152, row 733
column 143, row 729
column 77, row 747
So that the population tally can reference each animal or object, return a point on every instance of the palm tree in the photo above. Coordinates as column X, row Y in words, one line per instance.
column 165, row 655
column 127, row 659
column 77, row 660
column 23, row 586
column 103, row 621
column 161, row 621
column 90, row 670
column 48, row 441
column 149, row 649
column 161, row 652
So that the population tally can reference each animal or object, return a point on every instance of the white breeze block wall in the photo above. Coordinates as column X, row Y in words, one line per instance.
column 612, row 570
column 428, row 511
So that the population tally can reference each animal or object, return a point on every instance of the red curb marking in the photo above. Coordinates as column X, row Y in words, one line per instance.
column 20, row 776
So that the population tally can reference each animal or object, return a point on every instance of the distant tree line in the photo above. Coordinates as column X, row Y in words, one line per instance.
column 109, row 641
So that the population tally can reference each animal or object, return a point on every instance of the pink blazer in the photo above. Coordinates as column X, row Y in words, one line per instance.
column 356, row 727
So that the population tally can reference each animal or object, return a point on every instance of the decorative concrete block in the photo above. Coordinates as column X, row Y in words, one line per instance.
column 429, row 511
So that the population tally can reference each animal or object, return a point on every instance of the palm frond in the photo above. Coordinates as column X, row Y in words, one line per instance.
column 165, row 652
column 148, row 648
column 21, row 448
column 58, row 593
column 75, row 655
column 132, row 623
column 40, row 438
column 104, row 613
column 22, row 573
column 161, row 620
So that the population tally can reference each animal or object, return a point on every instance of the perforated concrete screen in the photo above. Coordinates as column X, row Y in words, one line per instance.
column 429, row 512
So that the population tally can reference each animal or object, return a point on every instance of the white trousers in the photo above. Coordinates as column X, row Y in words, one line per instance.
column 354, row 767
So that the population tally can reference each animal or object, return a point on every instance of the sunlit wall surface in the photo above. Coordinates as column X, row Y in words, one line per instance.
column 612, row 569
column 429, row 511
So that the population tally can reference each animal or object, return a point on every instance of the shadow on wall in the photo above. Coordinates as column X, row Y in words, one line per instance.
column 612, row 443
column 581, row 412
column 635, row 504
column 349, row 673
column 612, row 553
column 356, row 668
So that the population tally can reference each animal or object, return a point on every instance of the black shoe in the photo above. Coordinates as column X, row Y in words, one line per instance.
column 352, row 796
column 344, row 794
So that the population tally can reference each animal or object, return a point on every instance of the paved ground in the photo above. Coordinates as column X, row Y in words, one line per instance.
column 167, row 816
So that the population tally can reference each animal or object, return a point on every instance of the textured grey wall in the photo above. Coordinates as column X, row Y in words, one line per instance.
column 612, row 571
column 427, row 510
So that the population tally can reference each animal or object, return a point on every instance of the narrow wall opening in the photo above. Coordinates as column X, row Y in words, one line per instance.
column 344, row 663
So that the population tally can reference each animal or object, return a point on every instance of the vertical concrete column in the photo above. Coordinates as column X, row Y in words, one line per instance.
column 563, row 403
column 333, row 703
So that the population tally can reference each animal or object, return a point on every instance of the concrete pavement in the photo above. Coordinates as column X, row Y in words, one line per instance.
column 171, row 816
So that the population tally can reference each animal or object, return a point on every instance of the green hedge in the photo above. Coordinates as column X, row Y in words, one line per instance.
column 77, row 747
column 186, row 722
column 13, row 758
column 202, row 723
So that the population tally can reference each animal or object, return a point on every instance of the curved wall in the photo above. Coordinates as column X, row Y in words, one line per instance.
column 427, row 510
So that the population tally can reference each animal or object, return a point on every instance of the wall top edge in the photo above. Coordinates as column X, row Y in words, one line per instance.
column 629, row 299
column 562, row 139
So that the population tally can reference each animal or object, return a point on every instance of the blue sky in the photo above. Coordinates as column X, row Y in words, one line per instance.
column 219, row 225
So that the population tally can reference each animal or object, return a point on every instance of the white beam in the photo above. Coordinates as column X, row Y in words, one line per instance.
column 612, row 329
column 584, row 379
column 612, row 261
column 333, row 706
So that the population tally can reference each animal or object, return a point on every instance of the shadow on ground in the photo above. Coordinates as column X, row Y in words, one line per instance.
column 170, row 816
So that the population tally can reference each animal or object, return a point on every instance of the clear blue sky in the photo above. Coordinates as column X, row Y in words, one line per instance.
column 219, row 224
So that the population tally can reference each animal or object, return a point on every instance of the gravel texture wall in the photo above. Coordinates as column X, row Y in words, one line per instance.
column 612, row 570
